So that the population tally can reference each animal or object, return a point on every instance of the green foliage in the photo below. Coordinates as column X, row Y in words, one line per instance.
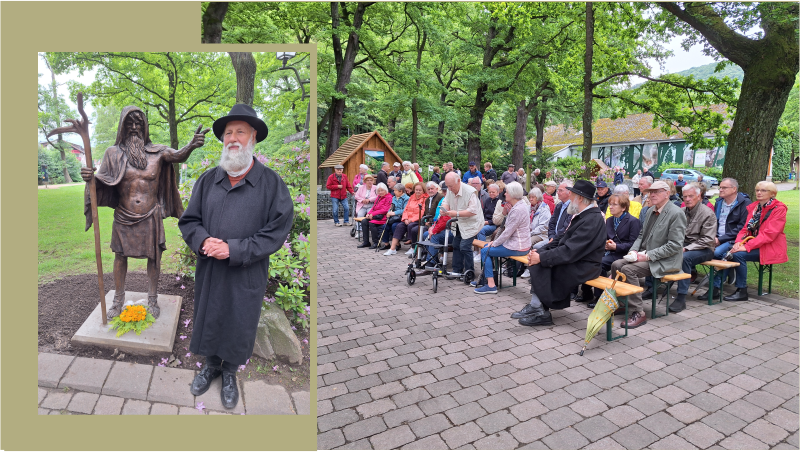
column 570, row 168
column 781, row 159
column 709, row 70
column 105, row 119
column 124, row 327
column 55, row 166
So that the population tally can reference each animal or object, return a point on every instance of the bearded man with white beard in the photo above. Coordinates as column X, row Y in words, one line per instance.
column 137, row 180
column 240, row 212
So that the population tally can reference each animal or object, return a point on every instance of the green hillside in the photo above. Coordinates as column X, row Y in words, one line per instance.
column 706, row 71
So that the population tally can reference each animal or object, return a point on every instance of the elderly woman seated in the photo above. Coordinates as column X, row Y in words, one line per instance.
column 408, row 175
column 622, row 229
column 623, row 191
column 375, row 219
column 489, row 205
column 365, row 195
column 514, row 241
column 358, row 181
column 396, row 211
column 766, row 220
column 409, row 223
column 540, row 216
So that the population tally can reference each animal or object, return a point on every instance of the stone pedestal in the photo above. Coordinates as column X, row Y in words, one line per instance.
column 158, row 338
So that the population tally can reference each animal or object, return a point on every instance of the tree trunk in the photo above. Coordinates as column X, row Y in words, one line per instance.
column 587, row 89
column 476, row 115
column 770, row 66
column 245, row 66
column 415, row 102
column 212, row 22
column 344, row 69
column 390, row 130
column 54, row 86
column 761, row 104
column 520, row 130
column 440, row 137
column 539, row 121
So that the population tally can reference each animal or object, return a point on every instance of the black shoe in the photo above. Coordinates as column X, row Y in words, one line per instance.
column 364, row 245
column 573, row 296
column 714, row 296
column 537, row 320
column 739, row 295
column 230, row 392
column 679, row 304
column 372, row 247
column 383, row 246
column 647, row 294
column 591, row 305
column 524, row 312
column 203, row 380
column 581, row 299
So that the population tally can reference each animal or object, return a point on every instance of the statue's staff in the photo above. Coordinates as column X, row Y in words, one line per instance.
column 81, row 127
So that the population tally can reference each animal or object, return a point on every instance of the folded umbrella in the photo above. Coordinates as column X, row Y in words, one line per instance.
column 603, row 310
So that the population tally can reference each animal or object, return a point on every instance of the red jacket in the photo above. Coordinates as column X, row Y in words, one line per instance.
column 339, row 193
column 382, row 205
column 550, row 202
column 771, row 240
column 439, row 225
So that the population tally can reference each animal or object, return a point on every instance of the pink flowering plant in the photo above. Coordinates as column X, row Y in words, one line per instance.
column 289, row 280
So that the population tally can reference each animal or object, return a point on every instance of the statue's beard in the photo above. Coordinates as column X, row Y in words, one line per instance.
column 134, row 148
column 236, row 161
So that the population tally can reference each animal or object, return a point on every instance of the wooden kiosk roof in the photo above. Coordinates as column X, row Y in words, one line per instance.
column 355, row 147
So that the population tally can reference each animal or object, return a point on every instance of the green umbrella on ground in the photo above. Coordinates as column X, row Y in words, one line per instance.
column 603, row 310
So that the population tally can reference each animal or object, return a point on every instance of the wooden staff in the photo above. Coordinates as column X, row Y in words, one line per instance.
column 81, row 127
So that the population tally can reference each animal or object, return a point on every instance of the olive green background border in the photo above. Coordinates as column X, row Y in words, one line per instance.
column 28, row 28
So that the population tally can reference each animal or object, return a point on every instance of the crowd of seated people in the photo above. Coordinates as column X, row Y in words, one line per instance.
column 657, row 233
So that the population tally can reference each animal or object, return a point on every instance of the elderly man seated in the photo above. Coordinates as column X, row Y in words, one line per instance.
column 558, row 267
column 698, row 246
column 539, row 216
column 561, row 217
column 657, row 252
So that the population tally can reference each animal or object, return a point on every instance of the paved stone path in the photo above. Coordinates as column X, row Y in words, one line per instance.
column 401, row 367
column 74, row 385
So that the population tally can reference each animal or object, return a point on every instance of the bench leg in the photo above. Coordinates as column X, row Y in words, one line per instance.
column 609, row 334
column 711, row 288
column 761, row 270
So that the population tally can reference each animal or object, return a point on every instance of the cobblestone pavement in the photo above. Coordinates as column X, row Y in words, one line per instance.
column 74, row 385
column 402, row 367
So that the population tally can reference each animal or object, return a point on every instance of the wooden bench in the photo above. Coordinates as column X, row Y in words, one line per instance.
column 718, row 265
column 761, row 269
column 623, row 290
column 479, row 244
column 667, row 280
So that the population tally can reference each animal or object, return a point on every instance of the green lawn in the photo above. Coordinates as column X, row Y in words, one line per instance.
column 785, row 278
column 64, row 247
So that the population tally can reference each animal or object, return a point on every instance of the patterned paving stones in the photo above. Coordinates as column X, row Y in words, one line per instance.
column 451, row 370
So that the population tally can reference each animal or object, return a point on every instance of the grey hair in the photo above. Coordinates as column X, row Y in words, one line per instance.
column 406, row 163
column 694, row 186
column 536, row 193
column 514, row 189
column 621, row 188
column 363, row 166
column 392, row 178
column 647, row 179
column 496, row 187
column 733, row 182
column 382, row 186
column 474, row 179
column 567, row 183
column 400, row 187
column 432, row 184
column 385, row 164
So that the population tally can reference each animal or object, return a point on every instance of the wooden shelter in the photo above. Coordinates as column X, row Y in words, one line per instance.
column 354, row 152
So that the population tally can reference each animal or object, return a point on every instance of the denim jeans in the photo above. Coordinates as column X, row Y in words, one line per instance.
column 690, row 259
column 496, row 251
column 437, row 238
column 462, row 254
column 486, row 231
column 345, row 206
column 741, row 257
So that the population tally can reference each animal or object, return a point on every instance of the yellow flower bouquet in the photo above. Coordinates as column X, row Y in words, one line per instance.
column 133, row 318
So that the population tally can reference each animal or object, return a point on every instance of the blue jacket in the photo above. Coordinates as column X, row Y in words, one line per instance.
column 555, row 228
column 736, row 218
column 469, row 175
column 399, row 204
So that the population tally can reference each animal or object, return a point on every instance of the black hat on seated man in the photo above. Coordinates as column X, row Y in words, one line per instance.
column 584, row 188
column 242, row 112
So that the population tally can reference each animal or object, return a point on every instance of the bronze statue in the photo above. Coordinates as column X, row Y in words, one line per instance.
column 137, row 180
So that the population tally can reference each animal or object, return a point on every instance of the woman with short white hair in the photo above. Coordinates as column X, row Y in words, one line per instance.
column 514, row 241
column 359, row 179
column 408, row 174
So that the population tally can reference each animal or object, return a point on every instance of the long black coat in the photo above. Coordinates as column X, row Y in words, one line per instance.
column 573, row 260
column 254, row 218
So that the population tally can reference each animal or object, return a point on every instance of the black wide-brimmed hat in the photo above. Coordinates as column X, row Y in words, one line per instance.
column 583, row 188
column 242, row 112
